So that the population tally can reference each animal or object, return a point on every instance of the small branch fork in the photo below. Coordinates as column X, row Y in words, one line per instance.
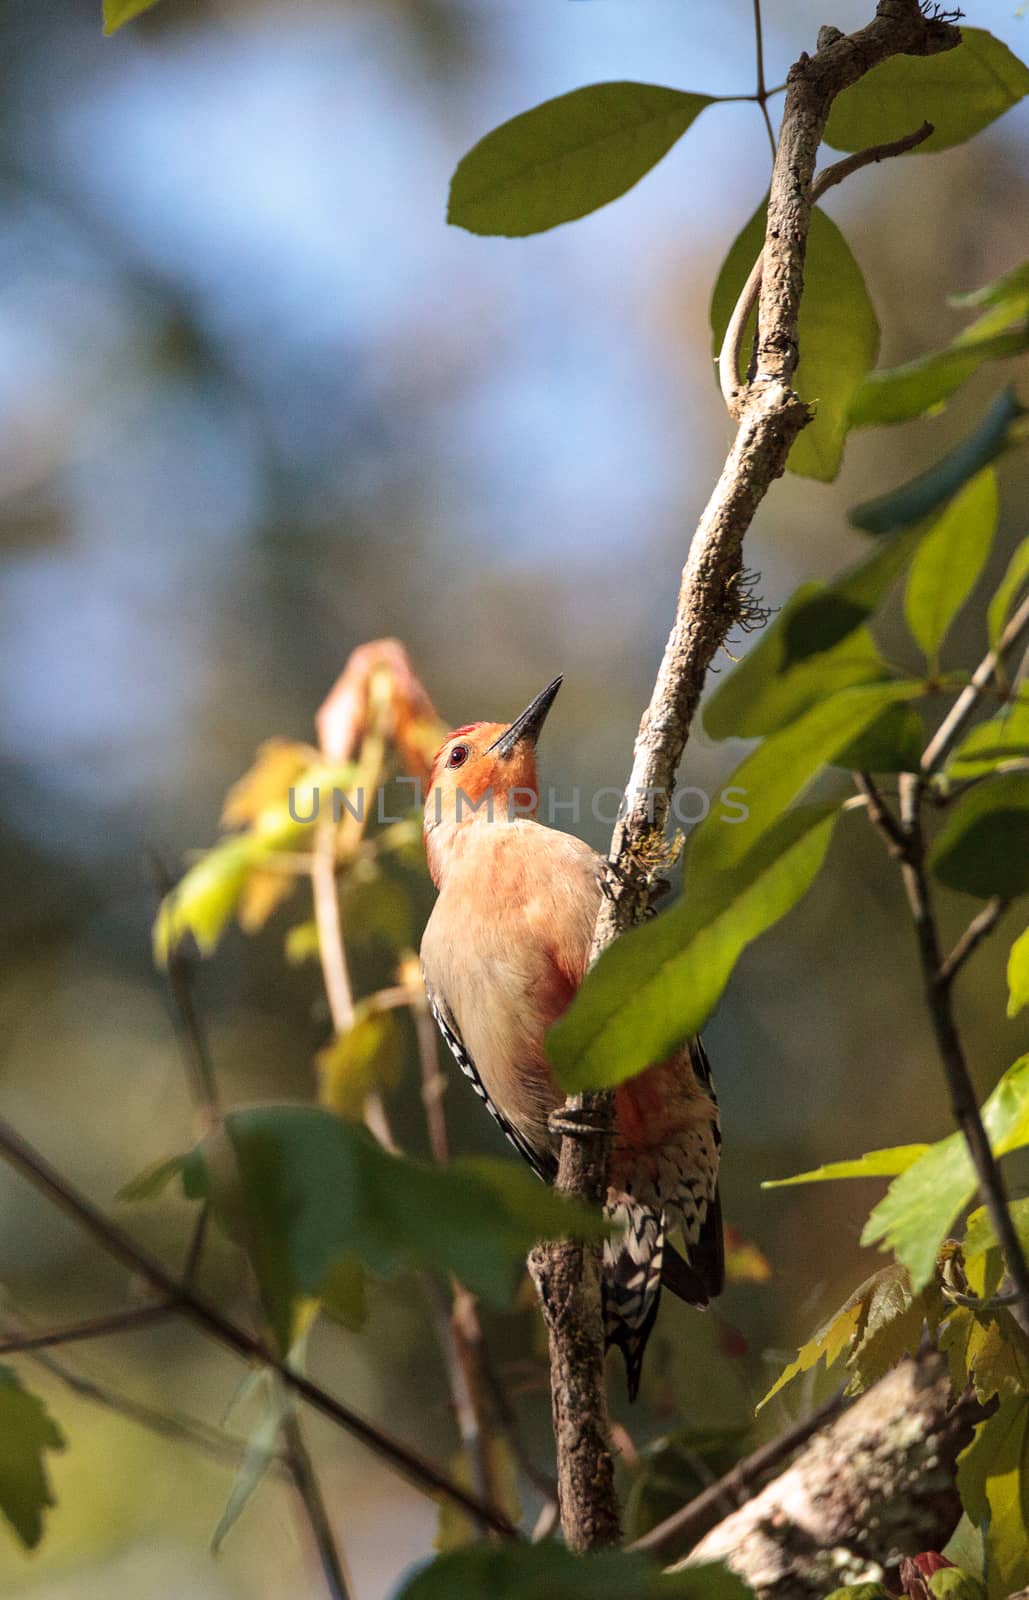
column 905, row 843
column 732, row 344
column 770, row 415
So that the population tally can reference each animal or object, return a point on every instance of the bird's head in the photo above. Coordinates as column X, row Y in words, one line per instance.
column 485, row 771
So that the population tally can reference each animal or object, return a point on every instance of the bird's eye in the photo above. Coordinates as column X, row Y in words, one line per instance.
column 458, row 756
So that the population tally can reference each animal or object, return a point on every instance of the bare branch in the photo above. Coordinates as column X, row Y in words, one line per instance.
column 964, row 707
column 684, row 1527
column 770, row 417
column 732, row 343
column 92, row 1328
column 881, row 1478
column 424, row 1474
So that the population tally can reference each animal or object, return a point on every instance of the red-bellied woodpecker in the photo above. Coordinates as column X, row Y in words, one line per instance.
column 504, row 951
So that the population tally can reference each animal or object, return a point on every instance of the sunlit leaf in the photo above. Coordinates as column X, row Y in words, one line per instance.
column 907, row 505
column 983, row 846
column 860, row 1591
column 815, row 646
column 27, row 1432
column 993, row 1481
column 277, row 766
column 568, row 156
column 987, row 1349
column 838, row 334
column 959, row 91
column 949, row 560
column 745, row 1262
column 1009, row 592
column 1018, row 974
column 318, row 1191
column 258, row 1457
column 896, row 394
column 118, row 12
column 301, row 943
column 658, row 984
column 921, row 1204
column 535, row 1571
column 876, row 1164
column 203, row 900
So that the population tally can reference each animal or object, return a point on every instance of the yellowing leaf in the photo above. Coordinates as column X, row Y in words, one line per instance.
column 993, row 1480
column 118, row 12
column 277, row 766
column 301, row 944
column 987, row 1349
column 831, row 1340
column 949, row 560
column 876, row 1164
column 263, row 892
column 367, row 1058
column 203, row 900
column 744, row 1261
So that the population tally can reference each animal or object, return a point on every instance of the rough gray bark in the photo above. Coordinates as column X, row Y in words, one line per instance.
column 877, row 1485
column 770, row 416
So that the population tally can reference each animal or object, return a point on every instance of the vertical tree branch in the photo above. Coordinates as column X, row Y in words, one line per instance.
column 770, row 416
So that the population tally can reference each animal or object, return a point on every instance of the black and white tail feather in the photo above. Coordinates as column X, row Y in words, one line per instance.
column 639, row 1260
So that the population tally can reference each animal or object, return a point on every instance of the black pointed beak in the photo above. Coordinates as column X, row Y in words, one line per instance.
column 530, row 723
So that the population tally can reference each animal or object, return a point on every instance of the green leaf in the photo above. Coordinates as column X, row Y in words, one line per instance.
column 204, row 899
column 532, row 1571
column 903, row 507
column 455, row 1528
column 568, row 156
column 876, row 1164
column 959, row 91
column 948, row 1583
column 880, row 1322
column 983, row 846
column 318, row 1191
column 367, row 1058
column 258, row 1457
column 1018, row 974
column 815, row 647
column 965, row 1547
column 26, row 1432
column 1012, row 289
column 117, row 12
column 838, row 334
column 987, row 1349
column 152, row 1181
column 993, row 1481
column 993, row 744
column 896, row 394
column 1008, row 593
column 921, row 1204
column 659, row 983
column 949, row 560
column 860, row 1591
column 893, row 743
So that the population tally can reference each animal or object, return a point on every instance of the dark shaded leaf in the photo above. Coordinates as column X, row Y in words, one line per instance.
column 26, row 1432
column 318, row 1191
column 550, row 1572
column 983, row 846
column 567, row 157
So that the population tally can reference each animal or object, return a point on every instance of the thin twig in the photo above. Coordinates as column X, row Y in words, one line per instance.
column 761, row 93
column 880, row 816
column 974, row 934
column 957, row 718
column 770, row 417
column 305, row 1479
column 165, row 1424
column 732, row 343
column 677, row 1533
column 939, row 998
column 91, row 1328
column 18, row 1153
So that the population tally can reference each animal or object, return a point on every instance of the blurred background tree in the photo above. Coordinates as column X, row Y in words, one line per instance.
column 261, row 404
